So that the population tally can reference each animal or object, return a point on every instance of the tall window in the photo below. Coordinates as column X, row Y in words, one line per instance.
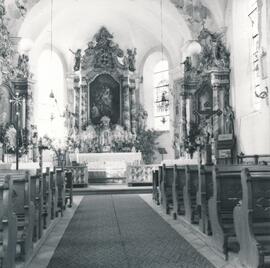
column 255, row 46
column 50, row 103
column 161, row 96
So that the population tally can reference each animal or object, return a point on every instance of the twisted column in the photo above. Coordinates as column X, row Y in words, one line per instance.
column 126, row 104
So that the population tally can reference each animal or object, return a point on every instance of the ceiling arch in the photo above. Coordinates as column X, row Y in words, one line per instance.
column 133, row 23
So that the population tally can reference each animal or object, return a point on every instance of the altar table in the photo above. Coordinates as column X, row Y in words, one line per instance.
column 110, row 165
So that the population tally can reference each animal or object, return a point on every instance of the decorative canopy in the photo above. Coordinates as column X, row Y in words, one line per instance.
column 104, row 55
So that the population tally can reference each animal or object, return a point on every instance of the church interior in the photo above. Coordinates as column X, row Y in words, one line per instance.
column 134, row 133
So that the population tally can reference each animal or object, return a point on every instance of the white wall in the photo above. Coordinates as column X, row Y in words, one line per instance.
column 147, row 100
column 252, row 126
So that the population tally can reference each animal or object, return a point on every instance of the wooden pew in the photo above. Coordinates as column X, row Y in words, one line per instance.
column 205, row 192
column 190, row 191
column 36, row 196
column 155, row 185
column 47, row 198
column 23, row 209
column 252, row 218
column 227, row 193
column 160, row 183
column 179, row 175
column 69, row 187
column 8, row 225
column 60, row 180
column 54, row 190
column 167, row 181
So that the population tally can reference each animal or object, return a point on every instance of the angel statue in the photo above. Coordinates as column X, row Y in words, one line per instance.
column 78, row 56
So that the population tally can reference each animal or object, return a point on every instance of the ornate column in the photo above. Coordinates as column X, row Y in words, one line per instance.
column 77, row 93
column 84, row 102
column 220, row 84
column 183, row 118
column 126, row 104
column 223, row 145
column 30, row 105
column 132, row 87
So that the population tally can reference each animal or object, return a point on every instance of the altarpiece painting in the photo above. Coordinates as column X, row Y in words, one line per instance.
column 104, row 99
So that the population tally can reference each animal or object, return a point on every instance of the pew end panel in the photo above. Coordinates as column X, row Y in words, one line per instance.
column 178, row 186
column 8, row 225
column 167, row 173
column 226, row 195
column 190, row 191
column 252, row 218
column 205, row 192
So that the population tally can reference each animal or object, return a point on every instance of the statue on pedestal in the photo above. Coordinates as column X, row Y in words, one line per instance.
column 105, row 137
column 228, row 120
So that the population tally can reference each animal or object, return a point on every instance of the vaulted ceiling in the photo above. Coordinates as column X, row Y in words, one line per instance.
column 134, row 23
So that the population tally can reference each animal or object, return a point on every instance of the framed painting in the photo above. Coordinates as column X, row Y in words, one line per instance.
column 104, row 99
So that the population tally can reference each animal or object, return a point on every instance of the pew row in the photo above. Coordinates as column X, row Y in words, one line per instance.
column 252, row 218
column 27, row 206
column 24, row 210
column 205, row 192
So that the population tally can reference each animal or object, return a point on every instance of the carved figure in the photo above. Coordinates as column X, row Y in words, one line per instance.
column 187, row 64
column 141, row 118
column 78, row 55
column 23, row 66
column 229, row 120
column 105, row 134
column 21, row 7
column 130, row 61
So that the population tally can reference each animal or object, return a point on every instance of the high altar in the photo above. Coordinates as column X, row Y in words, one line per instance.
column 105, row 106
column 105, row 96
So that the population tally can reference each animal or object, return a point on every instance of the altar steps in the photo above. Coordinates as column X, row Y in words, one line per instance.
column 98, row 189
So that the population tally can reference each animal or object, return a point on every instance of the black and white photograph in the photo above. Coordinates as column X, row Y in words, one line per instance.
column 134, row 134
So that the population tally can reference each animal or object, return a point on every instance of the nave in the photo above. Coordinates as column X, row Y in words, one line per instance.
column 122, row 231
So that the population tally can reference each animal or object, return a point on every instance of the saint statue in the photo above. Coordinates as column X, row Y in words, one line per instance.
column 130, row 61
column 105, row 138
column 23, row 66
column 78, row 55
column 229, row 120
column 141, row 118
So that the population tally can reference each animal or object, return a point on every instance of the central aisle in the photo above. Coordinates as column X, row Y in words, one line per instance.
column 122, row 231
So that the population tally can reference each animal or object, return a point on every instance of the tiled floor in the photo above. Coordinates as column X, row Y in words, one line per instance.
column 199, row 241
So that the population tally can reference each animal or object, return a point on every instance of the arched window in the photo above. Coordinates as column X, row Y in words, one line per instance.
column 50, row 97
column 161, row 96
